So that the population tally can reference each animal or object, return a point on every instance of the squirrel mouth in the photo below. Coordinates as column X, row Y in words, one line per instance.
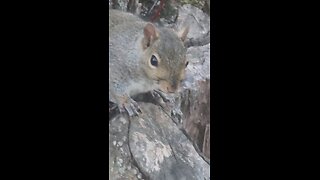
column 161, row 91
column 166, row 87
column 165, row 91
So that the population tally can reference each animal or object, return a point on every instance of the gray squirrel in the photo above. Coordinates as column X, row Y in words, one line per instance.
column 142, row 58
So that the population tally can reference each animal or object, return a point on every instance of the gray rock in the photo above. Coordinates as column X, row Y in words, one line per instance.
column 194, row 99
column 159, row 149
column 198, row 21
column 118, row 4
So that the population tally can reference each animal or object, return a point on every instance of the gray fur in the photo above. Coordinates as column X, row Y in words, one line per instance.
column 127, row 76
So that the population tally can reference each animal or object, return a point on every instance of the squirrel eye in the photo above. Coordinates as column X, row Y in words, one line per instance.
column 187, row 63
column 154, row 61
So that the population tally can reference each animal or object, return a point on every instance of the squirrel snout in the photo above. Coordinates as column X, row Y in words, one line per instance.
column 168, row 87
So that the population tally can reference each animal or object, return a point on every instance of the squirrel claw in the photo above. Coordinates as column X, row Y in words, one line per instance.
column 131, row 107
column 155, row 94
column 160, row 95
column 122, row 109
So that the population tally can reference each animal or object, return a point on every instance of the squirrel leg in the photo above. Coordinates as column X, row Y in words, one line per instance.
column 158, row 98
column 159, row 94
column 130, row 106
column 162, row 100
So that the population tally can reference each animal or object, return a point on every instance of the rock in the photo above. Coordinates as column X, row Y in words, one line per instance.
column 159, row 149
column 120, row 160
column 118, row 4
column 198, row 21
column 194, row 99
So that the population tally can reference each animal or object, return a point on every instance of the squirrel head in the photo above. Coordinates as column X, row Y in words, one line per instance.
column 164, row 56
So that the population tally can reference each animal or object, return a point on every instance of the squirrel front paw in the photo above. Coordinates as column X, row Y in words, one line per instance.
column 131, row 107
column 160, row 95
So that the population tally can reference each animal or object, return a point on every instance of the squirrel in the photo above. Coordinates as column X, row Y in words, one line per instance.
column 142, row 58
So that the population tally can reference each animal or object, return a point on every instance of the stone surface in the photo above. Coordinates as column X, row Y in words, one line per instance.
column 118, row 4
column 194, row 100
column 154, row 146
column 198, row 21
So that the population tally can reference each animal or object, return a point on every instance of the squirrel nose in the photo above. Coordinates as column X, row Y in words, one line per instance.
column 171, row 89
column 172, row 86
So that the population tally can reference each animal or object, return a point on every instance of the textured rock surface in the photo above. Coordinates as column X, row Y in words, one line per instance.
column 118, row 4
column 151, row 146
column 171, row 139
column 161, row 150
column 194, row 100
column 198, row 21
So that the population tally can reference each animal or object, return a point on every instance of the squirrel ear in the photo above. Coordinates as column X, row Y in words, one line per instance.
column 150, row 35
column 183, row 33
